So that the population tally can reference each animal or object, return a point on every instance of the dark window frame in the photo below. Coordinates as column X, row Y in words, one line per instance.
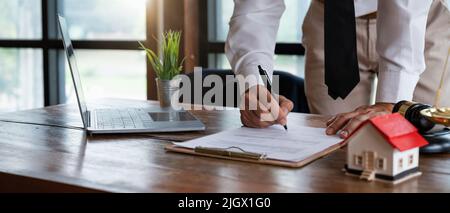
column 51, row 46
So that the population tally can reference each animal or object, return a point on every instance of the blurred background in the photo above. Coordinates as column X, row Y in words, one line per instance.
column 33, row 69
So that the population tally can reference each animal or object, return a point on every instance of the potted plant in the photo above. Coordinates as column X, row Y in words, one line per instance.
column 166, row 67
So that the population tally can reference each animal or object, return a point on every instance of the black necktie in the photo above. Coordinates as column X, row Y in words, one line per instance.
column 341, row 62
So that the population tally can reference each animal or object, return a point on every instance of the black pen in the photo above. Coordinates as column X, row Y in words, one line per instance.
column 268, row 83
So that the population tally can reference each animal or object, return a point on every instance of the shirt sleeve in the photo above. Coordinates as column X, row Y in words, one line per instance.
column 364, row 7
column 252, row 37
column 400, row 44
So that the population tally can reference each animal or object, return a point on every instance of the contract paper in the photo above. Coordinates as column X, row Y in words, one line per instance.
column 294, row 145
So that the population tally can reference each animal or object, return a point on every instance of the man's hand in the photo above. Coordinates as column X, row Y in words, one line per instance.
column 260, row 109
column 346, row 123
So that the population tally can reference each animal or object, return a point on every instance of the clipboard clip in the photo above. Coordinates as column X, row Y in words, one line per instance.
column 229, row 153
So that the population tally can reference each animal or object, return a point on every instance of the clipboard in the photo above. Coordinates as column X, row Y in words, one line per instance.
column 253, row 158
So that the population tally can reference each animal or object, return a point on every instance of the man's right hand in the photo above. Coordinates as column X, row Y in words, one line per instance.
column 260, row 109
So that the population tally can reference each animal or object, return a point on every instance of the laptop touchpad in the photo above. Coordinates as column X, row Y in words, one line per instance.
column 171, row 116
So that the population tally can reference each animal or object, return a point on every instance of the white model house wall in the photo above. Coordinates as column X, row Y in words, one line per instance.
column 368, row 138
column 405, row 160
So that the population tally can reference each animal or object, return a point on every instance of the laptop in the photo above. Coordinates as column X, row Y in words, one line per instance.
column 124, row 120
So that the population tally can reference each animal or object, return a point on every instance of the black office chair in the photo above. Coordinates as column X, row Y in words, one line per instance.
column 291, row 86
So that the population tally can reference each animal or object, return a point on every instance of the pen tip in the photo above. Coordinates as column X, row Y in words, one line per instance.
column 285, row 127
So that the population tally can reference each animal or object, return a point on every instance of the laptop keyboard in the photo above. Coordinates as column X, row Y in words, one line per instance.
column 128, row 118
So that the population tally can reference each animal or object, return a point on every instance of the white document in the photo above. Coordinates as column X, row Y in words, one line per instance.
column 294, row 145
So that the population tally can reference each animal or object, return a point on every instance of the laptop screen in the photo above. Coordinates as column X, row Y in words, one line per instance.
column 74, row 70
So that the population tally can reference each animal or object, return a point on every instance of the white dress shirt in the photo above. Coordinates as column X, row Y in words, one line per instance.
column 364, row 7
column 400, row 31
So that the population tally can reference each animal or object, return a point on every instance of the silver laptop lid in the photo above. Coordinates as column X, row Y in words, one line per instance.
column 74, row 70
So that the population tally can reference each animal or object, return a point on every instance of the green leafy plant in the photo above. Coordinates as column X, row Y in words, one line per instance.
column 169, row 65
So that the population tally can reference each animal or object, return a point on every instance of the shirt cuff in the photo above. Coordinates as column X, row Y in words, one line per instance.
column 248, row 76
column 395, row 86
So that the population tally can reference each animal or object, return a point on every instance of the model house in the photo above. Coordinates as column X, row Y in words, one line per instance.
column 385, row 148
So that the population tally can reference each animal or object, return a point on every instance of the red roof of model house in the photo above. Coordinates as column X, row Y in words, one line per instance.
column 398, row 131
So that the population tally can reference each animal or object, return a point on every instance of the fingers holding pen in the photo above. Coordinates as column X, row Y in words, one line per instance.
column 262, row 109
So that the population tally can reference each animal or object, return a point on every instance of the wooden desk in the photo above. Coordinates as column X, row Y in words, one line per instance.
column 37, row 158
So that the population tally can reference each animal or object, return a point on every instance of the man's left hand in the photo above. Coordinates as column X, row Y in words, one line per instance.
column 346, row 123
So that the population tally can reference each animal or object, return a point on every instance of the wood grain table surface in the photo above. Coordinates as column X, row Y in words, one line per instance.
column 51, row 158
